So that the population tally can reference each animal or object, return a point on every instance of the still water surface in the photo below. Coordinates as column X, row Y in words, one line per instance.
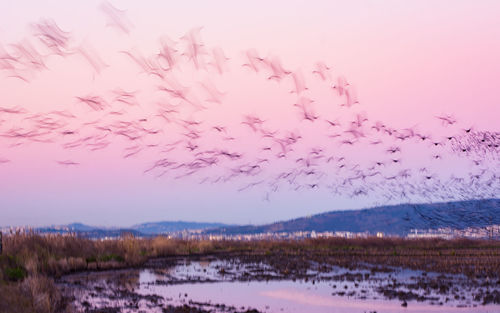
column 202, row 285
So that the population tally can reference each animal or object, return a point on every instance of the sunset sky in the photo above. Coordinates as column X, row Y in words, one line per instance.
column 407, row 61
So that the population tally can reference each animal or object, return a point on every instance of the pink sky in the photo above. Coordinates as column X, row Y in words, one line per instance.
column 408, row 62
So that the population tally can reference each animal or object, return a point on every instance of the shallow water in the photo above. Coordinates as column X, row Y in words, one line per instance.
column 218, row 286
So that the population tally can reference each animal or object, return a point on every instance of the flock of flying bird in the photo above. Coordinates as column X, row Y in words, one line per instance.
column 176, row 134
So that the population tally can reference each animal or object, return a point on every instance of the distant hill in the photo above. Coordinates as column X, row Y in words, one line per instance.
column 79, row 227
column 146, row 229
column 394, row 219
column 170, row 227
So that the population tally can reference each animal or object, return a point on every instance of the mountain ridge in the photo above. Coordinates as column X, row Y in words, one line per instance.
column 397, row 219
column 142, row 229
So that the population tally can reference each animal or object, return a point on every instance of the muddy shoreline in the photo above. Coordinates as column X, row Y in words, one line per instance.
column 118, row 290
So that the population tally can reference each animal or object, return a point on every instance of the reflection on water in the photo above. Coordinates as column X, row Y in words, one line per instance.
column 223, row 286
column 296, row 296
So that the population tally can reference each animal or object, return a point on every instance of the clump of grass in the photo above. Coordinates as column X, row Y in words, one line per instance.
column 15, row 273
column 160, row 246
column 36, row 293
column 111, row 257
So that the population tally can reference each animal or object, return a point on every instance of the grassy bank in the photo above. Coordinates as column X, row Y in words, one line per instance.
column 30, row 262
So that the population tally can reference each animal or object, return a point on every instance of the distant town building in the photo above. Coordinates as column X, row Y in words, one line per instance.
column 489, row 232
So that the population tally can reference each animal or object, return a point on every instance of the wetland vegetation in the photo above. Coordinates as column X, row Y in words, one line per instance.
column 34, row 267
